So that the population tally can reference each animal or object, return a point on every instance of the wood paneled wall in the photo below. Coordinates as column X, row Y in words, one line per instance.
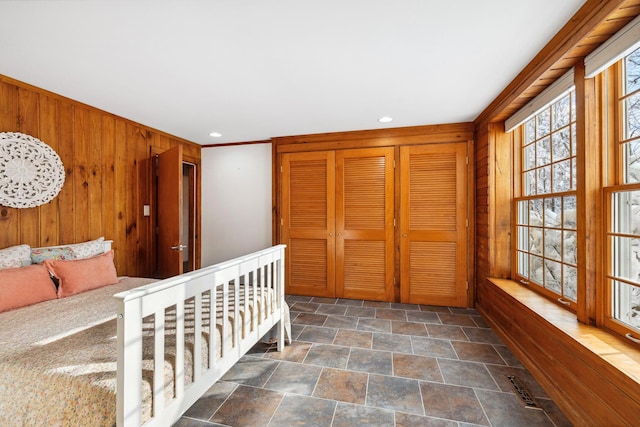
column 108, row 164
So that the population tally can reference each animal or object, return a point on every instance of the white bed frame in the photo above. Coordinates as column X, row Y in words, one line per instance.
column 134, row 305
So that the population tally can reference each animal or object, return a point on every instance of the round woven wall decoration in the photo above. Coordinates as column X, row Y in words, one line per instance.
column 31, row 173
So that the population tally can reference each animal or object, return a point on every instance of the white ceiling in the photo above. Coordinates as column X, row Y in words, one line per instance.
column 256, row 69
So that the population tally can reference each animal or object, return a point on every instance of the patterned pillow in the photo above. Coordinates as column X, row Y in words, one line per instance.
column 88, row 249
column 15, row 256
column 39, row 255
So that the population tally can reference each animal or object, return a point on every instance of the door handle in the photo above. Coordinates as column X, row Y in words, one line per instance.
column 179, row 247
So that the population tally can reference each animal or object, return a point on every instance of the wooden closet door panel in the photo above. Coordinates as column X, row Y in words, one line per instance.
column 433, row 229
column 308, row 222
column 364, row 223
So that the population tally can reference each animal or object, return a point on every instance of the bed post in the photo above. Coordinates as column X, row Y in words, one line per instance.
column 129, row 365
column 280, row 299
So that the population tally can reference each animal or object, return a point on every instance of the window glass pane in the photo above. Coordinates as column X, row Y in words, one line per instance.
column 626, row 258
column 569, row 212
column 535, row 240
column 523, row 238
column 632, row 162
column 535, row 212
column 574, row 174
column 573, row 139
column 542, row 123
column 561, row 176
column 553, row 276
column 625, row 212
column 523, row 212
column 626, row 303
column 561, row 145
column 553, row 244
column 523, row 265
column 535, row 269
column 543, row 152
column 632, row 116
column 570, row 247
column 530, row 183
column 530, row 131
column 544, row 180
column 552, row 211
column 529, row 157
column 560, row 113
column 573, row 106
column 570, row 278
column 632, row 71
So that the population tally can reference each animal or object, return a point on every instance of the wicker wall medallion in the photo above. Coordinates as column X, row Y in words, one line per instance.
column 31, row 172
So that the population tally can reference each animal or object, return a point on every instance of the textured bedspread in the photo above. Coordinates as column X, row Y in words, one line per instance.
column 58, row 358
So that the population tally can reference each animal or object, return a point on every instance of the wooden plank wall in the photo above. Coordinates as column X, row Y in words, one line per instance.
column 108, row 164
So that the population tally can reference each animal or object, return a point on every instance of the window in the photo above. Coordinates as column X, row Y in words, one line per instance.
column 545, row 203
column 622, row 270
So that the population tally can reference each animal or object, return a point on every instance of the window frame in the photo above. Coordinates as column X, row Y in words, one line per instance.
column 518, row 145
column 614, row 96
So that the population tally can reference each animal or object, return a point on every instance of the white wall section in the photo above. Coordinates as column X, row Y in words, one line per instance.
column 236, row 201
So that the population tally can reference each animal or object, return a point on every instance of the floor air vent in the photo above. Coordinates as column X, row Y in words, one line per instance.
column 523, row 393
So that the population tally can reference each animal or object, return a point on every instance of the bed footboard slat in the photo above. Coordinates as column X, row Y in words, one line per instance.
column 158, row 360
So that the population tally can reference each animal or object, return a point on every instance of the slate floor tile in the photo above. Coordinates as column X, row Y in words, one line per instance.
column 453, row 403
column 348, row 415
column 341, row 385
column 417, row 367
column 392, row 342
column 398, row 394
column 248, row 407
column 360, row 339
column 294, row 378
column 303, row 411
column 477, row 352
column 333, row 356
column 433, row 347
column 371, row 361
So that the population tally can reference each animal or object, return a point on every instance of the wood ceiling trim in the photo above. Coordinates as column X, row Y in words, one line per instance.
column 594, row 23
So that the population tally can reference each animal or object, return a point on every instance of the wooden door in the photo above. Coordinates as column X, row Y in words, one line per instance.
column 364, row 223
column 308, row 222
column 433, row 224
column 170, row 239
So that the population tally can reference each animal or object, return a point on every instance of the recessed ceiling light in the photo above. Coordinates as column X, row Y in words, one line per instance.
column 385, row 119
column 215, row 134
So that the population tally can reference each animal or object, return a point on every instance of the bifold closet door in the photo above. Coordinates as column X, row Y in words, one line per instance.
column 308, row 222
column 433, row 255
column 364, row 223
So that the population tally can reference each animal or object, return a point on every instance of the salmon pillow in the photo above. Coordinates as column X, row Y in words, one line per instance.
column 82, row 275
column 24, row 286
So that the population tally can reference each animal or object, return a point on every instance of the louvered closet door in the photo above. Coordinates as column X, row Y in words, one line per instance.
column 308, row 222
column 433, row 254
column 364, row 223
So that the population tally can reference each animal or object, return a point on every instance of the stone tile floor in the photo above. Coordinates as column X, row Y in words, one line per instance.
column 365, row 363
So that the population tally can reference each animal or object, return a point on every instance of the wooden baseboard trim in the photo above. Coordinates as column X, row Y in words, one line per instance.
column 592, row 375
